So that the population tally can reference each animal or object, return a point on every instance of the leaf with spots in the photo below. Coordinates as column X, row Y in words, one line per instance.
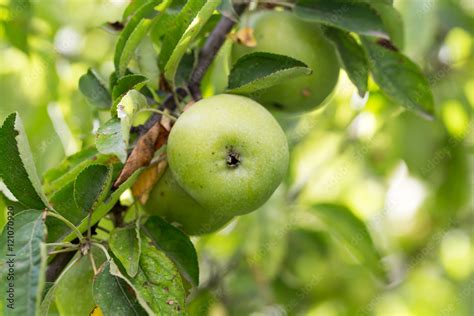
column 158, row 284
column 113, row 295
column 176, row 245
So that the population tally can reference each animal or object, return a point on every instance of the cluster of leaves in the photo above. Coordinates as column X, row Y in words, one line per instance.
column 148, row 266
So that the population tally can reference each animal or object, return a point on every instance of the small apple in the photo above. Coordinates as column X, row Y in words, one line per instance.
column 171, row 202
column 228, row 153
column 281, row 32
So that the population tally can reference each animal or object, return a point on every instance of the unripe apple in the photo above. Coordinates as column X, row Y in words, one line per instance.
column 281, row 32
column 228, row 153
column 170, row 201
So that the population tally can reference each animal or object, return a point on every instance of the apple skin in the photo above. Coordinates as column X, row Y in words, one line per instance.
column 228, row 153
column 281, row 32
column 171, row 202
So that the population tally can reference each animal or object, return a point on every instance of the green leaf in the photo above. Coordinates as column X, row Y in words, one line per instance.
column 267, row 230
column 48, row 306
column 17, row 168
column 109, row 139
column 158, row 284
column 95, row 90
column 113, row 136
column 29, row 250
column 63, row 202
column 261, row 70
column 73, row 294
column 393, row 22
column 358, row 17
column 112, row 294
column 188, row 23
column 59, row 176
column 176, row 245
column 146, row 11
column 128, row 106
column 132, row 43
column 147, row 62
column 133, row 7
column 17, row 25
column 106, row 206
column 353, row 234
column 399, row 77
column 352, row 57
column 125, row 245
column 126, row 83
column 91, row 186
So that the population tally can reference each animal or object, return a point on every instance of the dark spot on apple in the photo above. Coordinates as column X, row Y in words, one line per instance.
column 233, row 159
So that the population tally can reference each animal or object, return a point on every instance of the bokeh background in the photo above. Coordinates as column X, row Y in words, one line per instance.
column 410, row 180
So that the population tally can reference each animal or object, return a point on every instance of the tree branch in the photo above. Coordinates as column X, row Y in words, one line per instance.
column 207, row 54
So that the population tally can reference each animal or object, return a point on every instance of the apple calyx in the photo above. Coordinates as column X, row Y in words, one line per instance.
column 233, row 159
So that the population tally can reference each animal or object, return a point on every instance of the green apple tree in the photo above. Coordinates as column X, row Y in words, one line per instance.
column 187, row 142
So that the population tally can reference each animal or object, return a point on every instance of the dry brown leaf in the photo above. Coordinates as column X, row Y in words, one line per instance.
column 143, row 152
column 166, row 121
column 246, row 37
column 146, row 181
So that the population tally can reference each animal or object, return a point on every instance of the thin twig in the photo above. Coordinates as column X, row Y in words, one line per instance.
column 67, row 222
column 63, row 250
column 207, row 54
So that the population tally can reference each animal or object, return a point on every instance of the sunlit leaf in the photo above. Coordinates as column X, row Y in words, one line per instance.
column 109, row 139
column 144, row 13
column 186, row 27
column 17, row 168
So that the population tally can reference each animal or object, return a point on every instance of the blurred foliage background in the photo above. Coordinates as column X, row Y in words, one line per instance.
column 410, row 180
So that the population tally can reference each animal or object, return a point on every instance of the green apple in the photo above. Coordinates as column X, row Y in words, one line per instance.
column 228, row 153
column 281, row 32
column 171, row 202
